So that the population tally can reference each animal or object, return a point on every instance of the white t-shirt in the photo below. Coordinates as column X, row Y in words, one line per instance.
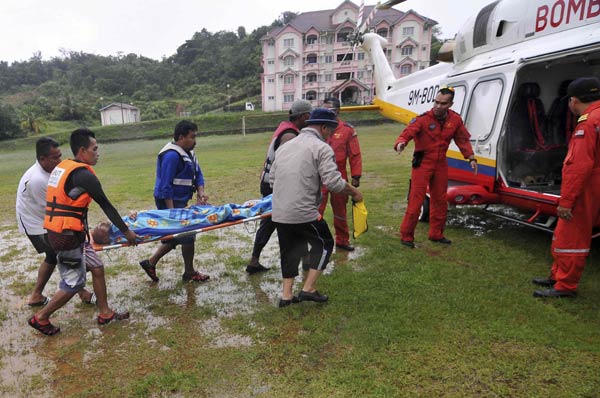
column 31, row 200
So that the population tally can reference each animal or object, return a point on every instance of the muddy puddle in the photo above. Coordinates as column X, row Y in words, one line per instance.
column 29, row 362
column 480, row 222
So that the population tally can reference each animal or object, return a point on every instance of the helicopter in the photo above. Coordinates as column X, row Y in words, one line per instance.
column 510, row 65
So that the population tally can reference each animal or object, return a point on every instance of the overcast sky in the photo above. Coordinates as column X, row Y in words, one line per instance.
column 155, row 28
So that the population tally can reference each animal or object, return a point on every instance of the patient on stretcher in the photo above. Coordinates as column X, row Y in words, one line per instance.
column 154, row 224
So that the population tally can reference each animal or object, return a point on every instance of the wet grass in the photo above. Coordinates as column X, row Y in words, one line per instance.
column 436, row 321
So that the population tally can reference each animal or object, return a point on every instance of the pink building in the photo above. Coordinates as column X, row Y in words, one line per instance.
column 310, row 57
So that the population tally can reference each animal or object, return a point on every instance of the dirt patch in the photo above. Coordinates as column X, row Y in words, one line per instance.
column 30, row 361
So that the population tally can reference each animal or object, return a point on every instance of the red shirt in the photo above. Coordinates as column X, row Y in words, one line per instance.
column 433, row 137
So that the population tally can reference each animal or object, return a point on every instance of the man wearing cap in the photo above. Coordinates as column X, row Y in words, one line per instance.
column 344, row 143
column 296, row 176
column 432, row 132
column 288, row 129
column 578, row 207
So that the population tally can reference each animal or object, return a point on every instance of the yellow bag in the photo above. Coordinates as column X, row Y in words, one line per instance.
column 359, row 218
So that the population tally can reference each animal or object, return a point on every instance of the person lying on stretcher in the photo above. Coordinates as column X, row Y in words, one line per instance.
column 154, row 224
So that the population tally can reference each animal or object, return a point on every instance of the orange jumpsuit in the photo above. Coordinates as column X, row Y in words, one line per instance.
column 433, row 138
column 344, row 143
column 580, row 191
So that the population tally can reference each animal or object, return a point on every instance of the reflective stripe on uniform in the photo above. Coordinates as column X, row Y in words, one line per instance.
column 556, row 250
column 182, row 181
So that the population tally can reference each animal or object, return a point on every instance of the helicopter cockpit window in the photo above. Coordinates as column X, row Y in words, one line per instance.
column 481, row 25
column 483, row 108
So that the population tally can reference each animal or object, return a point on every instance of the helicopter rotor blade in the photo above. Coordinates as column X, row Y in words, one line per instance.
column 389, row 4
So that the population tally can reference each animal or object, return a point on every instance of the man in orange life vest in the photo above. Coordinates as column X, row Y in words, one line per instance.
column 344, row 143
column 71, row 187
column 432, row 132
column 578, row 208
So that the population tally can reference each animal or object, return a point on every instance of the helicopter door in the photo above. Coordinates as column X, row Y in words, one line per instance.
column 480, row 119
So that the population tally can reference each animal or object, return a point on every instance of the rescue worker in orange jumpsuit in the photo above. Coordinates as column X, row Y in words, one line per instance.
column 578, row 208
column 344, row 143
column 432, row 132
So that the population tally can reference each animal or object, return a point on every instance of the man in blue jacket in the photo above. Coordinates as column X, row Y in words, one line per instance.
column 178, row 176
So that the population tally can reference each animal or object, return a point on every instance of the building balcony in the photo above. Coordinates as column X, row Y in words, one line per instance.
column 314, row 84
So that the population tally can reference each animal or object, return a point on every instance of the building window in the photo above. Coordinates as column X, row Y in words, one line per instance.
column 328, row 59
column 328, row 77
column 271, row 80
column 406, row 69
column 360, row 74
column 288, row 43
column 383, row 32
column 311, row 95
column 342, row 76
column 329, row 39
column 270, row 62
column 343, row 34
column 311, row 77
column 408, row 50
column 311, row 58
column 312, row 39
column 360, row 56
column 424, row 48
column 288, row 97
column 271, row 97
column 288, row 79
column 344, row 57
column 288, row 61
column 408, row 31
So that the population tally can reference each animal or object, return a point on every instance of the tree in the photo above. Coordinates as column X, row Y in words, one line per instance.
column 286, row 17
column 31, row 121
column 241, row 31
column 9, row 124
column 436, row 44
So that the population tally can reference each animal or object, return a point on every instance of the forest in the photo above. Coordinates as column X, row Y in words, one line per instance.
column 207, row 72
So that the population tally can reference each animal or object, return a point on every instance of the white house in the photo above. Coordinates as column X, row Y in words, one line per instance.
column 119, row 113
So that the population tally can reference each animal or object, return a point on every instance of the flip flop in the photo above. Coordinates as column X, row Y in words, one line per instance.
column 45, row 328
column 92, row 299
column 41, row 303
column 195, row 277
column 115, row 316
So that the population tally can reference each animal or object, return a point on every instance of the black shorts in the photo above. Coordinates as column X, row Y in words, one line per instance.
column 41, row 245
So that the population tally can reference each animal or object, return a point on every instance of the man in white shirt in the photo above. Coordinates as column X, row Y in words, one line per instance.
column 31, row 208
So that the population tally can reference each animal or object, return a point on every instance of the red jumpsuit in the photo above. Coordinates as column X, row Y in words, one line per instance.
column 433, row 139
column 580, row 191
column 344, row 142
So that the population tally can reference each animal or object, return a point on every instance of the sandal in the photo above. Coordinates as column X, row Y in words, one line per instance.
column 40, row 303
column 195, row 277
column 150, row 270
column 92, row 299
column 115, row 316
column 45, row 328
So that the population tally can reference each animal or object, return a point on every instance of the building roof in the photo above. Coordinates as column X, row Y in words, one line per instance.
column 119, row 105
column 322, row 20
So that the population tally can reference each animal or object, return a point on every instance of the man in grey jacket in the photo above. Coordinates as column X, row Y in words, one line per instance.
column 296, row 176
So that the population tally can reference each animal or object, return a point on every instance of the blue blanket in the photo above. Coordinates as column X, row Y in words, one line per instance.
column 154, row 224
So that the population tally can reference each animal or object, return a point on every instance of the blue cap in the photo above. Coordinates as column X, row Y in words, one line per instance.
column 322, row 116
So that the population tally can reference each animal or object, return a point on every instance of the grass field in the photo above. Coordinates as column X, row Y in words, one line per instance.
column 455, row 321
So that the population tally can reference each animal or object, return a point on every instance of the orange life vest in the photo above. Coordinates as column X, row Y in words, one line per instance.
column 62, row 212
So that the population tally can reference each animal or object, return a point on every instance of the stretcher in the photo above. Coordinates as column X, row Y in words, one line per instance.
column 167, row 224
